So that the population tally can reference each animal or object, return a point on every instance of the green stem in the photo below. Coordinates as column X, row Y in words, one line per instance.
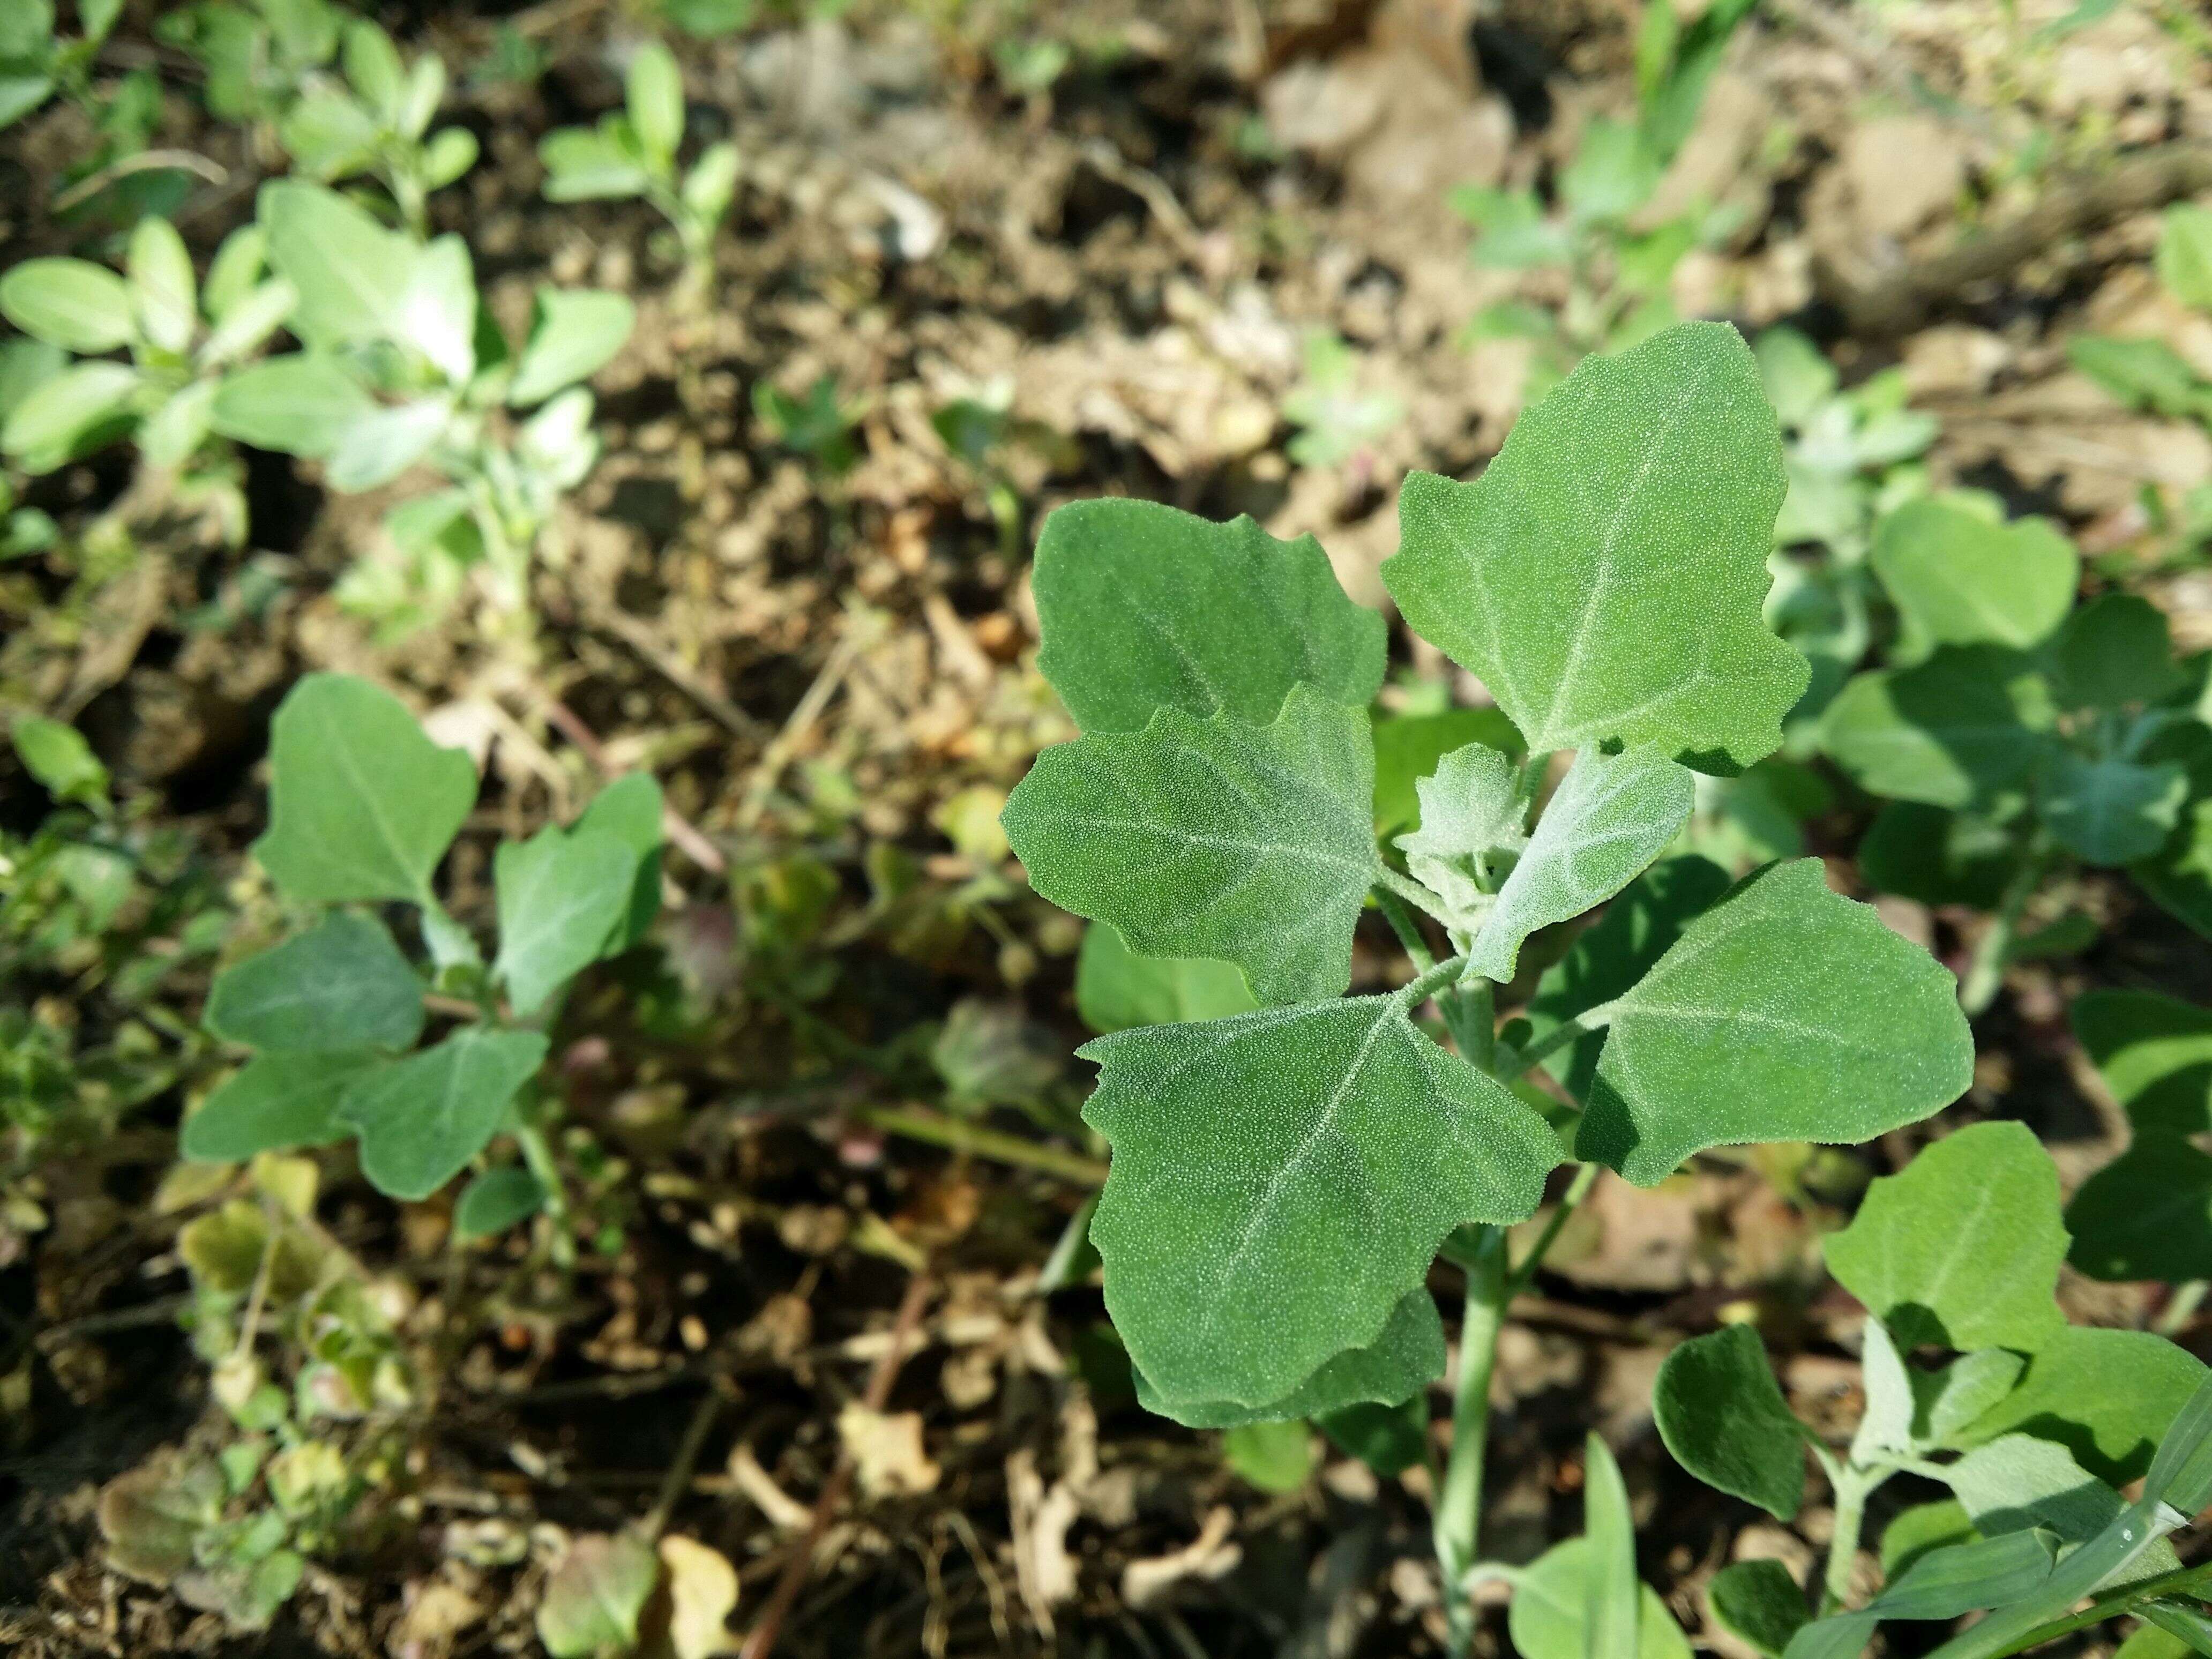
column 538, row 1155
column 1986, row 973
column 1407, row 889
column 958, row 1135
column 1852, row 1491
column 1572, row 1030
column 2181, row 1306
column 1400, row 917
column 1458, row 1519
column 2186, row 1580
column 1519, row 1281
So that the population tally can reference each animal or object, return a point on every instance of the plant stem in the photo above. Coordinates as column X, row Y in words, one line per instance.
column 960, row 1136
column 1407, row 889
column 1458, row 1519
column 2181, row 1306
column 1585, row 1178
column 538, row 1155
column 1572, row 1030
column 1985, row 972
column 1853, row 1487
column 1401, row 917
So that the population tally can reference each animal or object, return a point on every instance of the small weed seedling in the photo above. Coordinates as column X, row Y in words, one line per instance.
column 401, row 364
column 2032, row 1427
column 1335, row 419
column 362, row 806
column 35, row 63
column 257, row 57
column 632, row 153
column 66, row 397
column 1283, row 1179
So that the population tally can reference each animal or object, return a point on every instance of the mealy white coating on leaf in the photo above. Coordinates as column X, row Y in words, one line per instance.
column 1611, row 816
column 1282, row 1179
column 1605, row 575
column 1248, row 844
column 1472, row 814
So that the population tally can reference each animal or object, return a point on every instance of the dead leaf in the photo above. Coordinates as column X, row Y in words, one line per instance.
column 1207, row 1559
column 702, row 1592
column 887, row 1452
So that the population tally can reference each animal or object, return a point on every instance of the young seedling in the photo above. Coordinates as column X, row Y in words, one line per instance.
column 36, row 62
column 68, row 396
column 1283, row 1180
column 1335, row 420
column 2033, row 1425
column 819, row 425
column 401, row 364
column 362, row 806
column 257, row 57
column 633, row 154
column 377, row 121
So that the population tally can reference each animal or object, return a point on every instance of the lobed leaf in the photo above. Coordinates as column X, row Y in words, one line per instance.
column 562, row 897
column 1282, row 1179
column 2113, row 653
column 275, row 1102
column 630, row 808
column 1471, row 829
column 1406, row 1356
column 1960, row 578
column 2017, row 1483
column 2107, row 1396
column 342, row 984
column 1212, row 838
column 1141, row 607
column 1605, row 574
column 1723, row 1417
column 1962, row 1248
column 2154, row 1053
column 2147, row 1214
column 2109, row 811
column 1409, row 747
column 1116, row 989
column 422, row 1119
column 1951, row 731
column 1784, row 1012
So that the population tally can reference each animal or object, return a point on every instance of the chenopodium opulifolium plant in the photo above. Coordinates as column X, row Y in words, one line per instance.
column 401, row 363
column 2033, row 1426
column 255, row 58
column 69, row 398
column 377, row 120
column 2014, row 731
column 633, row 153
column 362, row 806
column 1282, row 1179
column 2147, row 1214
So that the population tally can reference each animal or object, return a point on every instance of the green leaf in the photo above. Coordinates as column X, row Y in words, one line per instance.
column 1212, row 838
column 2147, row 1214
column 60, row 758
column 71, row 415
column 1472, row 828
column 1722, row 1414
column 2155, row 1054
column 350, row 272
column 1922, row 1527
column 1549, row 1615
column 1611, row 817
column 435, row 311
column 573, row 333
column 1282, row 1179
column 1759, row 1603
column 1406, row 1356
column 1637, row 929
column 163, row 290
column 2184, row 255
column 1960, row 579
column 1949, row 1401
column 1116, row 989
column 71, row 303
column 1962, row 1248
column 495, row 1201
column 2112, row 652
column 1785, row 1012
column 2144, row 373
column 1936, row 857
column 594, row 1594
column 2017, row 1482
column 1605, row 574
column 1141, row 607
column 2149, row 1642
column 1950, row 732
column 168, row 436
column 342, row 984
column 1408, row 748
column 422, row 1119
column 1612, row 1600
column 302, row 404
column 384, row 442
column 654, row 93
column 1962, row 1578
column 361, row 804
column 2107, row 1396
column 1276, row 1457
column 1389, row 1439
column 2110, row 811
column 1797, row 376
column 630, row 808
column 561, row 898
column 584, row 165
column 273, row 1103
column 372, row 65
column 2187, row 1627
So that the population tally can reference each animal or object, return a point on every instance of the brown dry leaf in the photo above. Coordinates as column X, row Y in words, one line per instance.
column 781, row 1510
column 436, row 1613
column 702, row 1593
column 887, row 1451
column 1207, row 1559
column 1044, row 1569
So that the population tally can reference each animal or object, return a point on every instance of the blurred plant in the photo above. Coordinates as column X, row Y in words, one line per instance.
column 1335, row 420
column 632, row 153
column 402, row 363
column 186, row 341
column 375, row 121
column 820, row 425
column 257, row 58
column 36, row 62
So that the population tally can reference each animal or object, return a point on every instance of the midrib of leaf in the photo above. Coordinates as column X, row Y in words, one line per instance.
column 348, row 764
column 1952, row 1256
column 1577, row 646
column 1748, row 1017
column 553, row 916
column 1971, row 599
column 1191, row 665
column 1488, row 607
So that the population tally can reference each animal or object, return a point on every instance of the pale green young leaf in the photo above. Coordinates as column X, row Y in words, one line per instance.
column 372, row 65
column 1276, row 1456
column 168, row 436
column 70, row 303
column 1759, row 1603
column 302, row 404
column 424, row 90
column 1282, row 1179
column 1612, row 1594
column 1784, row 1012
column 1212, row 838
column 1472, row 827
column 2108, row 1396
column 1947, row 1402
column 2112, row 652
column 629, row 809
column 2110, row 811
column 1605, row 574
column 2144, row 373
column 495, row 1201
column 561, row 898
column 1722, row 1414
column 1409, row 747
column 1609, row 818
column 1960, row 579
column 422, row 1119
column 712, row 184
column 1962, row 1248
column 2147, row 1214
column 1886, row 1426
column 58, row 756
column 163, row 290
column 1142, row 607
column 1617, row 949
column 653, row 94
column 1949, row 732
column 2184, row 255
column 586, row 164
column 384, row 441
column 572, row 335
column 435, row 310
column 342, row 984
column 2148, row 1642
column 451, row 152
column 328, row 135
column 246, row 326
column 1116, row 989
column 350, row 271
column 2185, row 1624
column 361, row 804
column 237, row 268
column 1405, row 1358
column 2017, row 1482
column 1549, row 1615
column 275, row 1102
column 595, row 1595
column 69, row 415
column 1797, row 376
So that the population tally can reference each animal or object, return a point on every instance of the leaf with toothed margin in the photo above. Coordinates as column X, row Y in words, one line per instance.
column 1250, row 844
column 1606, row 574
column 1784, row 1012
column 1406, row 1356
column 1142, row 607
column 1471, row 828
column 1282, row 1179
